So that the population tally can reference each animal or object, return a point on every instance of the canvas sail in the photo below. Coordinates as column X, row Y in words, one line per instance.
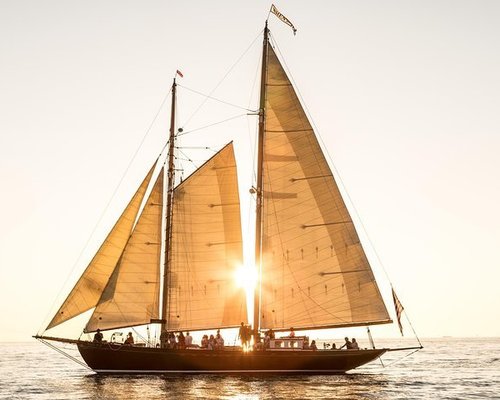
column 131, row 296
column 90, row 286
column 314, row 271
column 206, row 249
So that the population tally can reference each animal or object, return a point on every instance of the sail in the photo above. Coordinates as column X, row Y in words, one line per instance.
column 206, row 249
column 131, row 296
column 314, row 270
column 90, row 286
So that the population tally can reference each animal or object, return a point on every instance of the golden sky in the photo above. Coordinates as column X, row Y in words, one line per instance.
column 405, row 97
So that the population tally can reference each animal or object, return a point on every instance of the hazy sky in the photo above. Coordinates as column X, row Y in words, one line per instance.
column 405, row 96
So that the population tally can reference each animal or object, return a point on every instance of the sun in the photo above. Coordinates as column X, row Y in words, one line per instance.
column 245, row 277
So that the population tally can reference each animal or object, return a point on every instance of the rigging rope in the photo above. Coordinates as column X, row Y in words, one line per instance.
column 216, row 99
column 187, row 158
column 141, row 336
column 213, row 124
column 413, row 329
column 399, row 359
column 196, row 148
column 222, row 80
column 64, row 353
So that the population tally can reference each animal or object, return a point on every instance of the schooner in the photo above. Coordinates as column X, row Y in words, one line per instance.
column 313, row 271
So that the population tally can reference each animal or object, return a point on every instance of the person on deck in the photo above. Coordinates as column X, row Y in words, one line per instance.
column 164, row 339
column 347, row 344
column 211, row 343
column 204, row 342
column 129, row 340
column 354, row 344
column 98, row 336
column 172, row 342
column 181, row 341
column 313, row 346
column 258, row 345
column 219, row 341
column 189, row 340
column 267, row 340
column 243, row 335
column 292, row 333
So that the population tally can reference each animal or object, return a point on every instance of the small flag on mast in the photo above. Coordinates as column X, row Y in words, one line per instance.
column 399, row 310
column 275, row 11
column 180, row 74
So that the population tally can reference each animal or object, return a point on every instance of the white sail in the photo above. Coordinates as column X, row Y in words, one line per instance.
column 89, row 288
column 206, row 249
column 314, row 270
column 131, row 296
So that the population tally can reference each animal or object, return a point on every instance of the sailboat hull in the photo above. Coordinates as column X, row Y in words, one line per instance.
column 120, row 359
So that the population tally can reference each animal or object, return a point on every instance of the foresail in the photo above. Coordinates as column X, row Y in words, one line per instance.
column 206, row 249
column 90, row 286
column 314, row 270
column 132, row 294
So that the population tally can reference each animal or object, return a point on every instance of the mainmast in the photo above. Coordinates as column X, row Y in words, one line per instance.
column 258, row 213
column 170, row 198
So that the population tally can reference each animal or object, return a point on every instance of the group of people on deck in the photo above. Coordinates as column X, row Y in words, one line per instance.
column 98, row 338
column 245, row 334
column 179, row 341
column 349, row 345
column 269, row 335
column 213, row 342
column 170, row 340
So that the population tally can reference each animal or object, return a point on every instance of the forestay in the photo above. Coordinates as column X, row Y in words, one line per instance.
column 314, row 270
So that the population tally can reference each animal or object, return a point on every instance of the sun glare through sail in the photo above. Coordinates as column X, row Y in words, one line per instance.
column 245, row 276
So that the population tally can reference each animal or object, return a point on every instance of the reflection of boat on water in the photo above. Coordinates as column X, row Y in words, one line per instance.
column 313, row 270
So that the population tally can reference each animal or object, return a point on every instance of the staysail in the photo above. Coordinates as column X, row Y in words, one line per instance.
column 131, row 296
column 314, row 271
column 206, row 249
column 90, row 286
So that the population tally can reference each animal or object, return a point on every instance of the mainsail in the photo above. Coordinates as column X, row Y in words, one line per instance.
column 131, row 296
column 314, row 271
column 206, row 249
column 91, row 284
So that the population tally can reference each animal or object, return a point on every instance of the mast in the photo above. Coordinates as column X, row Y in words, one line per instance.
column 258, row 213
column 170, row 198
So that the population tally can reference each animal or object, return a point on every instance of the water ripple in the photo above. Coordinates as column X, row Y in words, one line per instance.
column 445, row 369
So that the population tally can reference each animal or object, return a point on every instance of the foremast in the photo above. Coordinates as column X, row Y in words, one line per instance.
column 168, row 212
column 258, row 212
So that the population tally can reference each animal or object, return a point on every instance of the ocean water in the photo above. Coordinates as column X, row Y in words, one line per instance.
column 445, row 369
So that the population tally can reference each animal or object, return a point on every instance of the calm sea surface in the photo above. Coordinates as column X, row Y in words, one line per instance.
column 444, row 369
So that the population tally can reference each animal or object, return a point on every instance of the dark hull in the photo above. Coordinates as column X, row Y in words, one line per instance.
column 118, row 359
